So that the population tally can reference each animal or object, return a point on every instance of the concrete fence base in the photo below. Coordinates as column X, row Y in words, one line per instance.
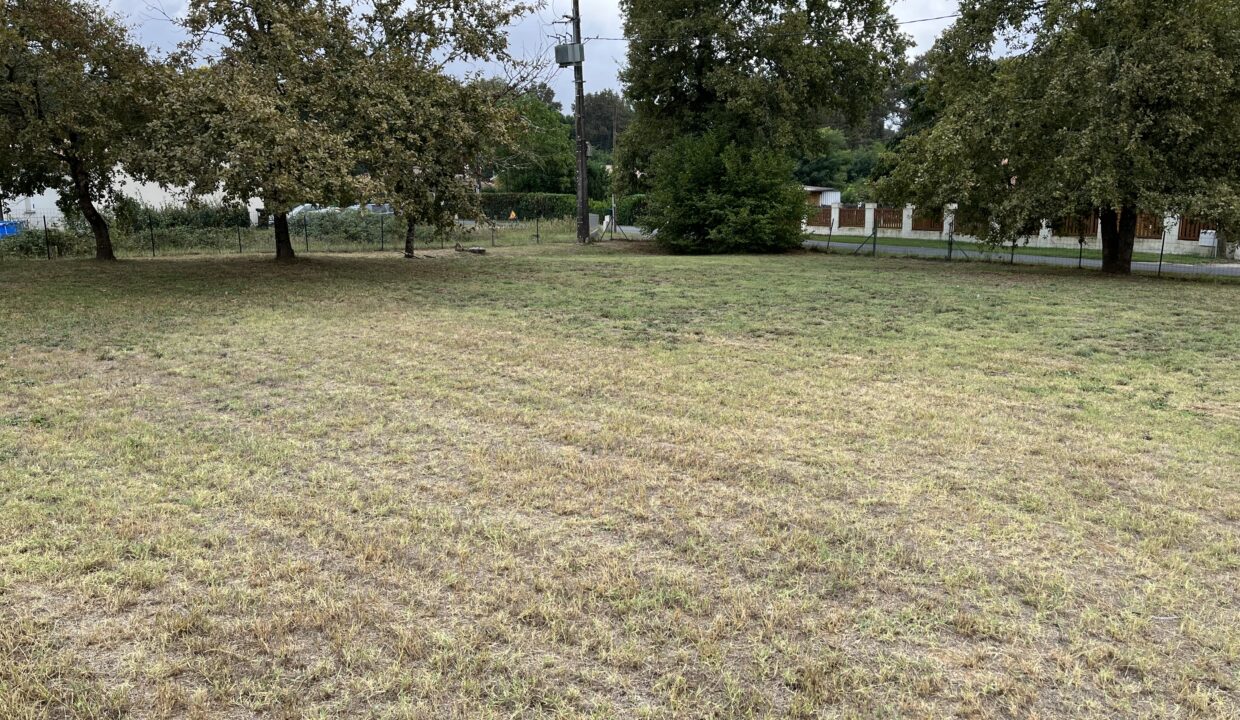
column 1172, row 244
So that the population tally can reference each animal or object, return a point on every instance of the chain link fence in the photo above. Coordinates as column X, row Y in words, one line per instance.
column 317, row 232
column 1210, row 263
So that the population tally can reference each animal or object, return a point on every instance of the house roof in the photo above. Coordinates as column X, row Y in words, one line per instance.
column 815, row 188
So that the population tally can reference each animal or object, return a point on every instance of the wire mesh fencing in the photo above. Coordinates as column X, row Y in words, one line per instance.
column 44, row 238
column 1151, row 259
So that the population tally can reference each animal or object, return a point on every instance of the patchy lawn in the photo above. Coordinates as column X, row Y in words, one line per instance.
column 563, row 482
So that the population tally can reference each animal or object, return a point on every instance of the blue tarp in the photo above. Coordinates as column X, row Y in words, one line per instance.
column 9, row 227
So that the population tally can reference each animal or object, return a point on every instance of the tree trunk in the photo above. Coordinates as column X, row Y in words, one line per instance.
column 98, row 226
column 410, row 238
column 284, row 245
column 1119, row 235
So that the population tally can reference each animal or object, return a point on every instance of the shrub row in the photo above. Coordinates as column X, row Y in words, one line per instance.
column 527, row 206
column 132, row 216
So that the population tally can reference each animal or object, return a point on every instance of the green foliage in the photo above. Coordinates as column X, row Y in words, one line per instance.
column 542, row 158
column 135, row 217
column 35, row 242
column 833, row 163
column 715, row 197
column 1046, row 110
column 425, row 136
column 501, row 205
column 75, row 94
column 631, row 209
column 749, row 79
column 607, row 115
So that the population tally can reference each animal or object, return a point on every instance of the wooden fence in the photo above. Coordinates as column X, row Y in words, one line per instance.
column 1191, row 228
column 852, row 217
column 927, row 222
column 888, row 218
column 1076, row 226
column 1150, row 227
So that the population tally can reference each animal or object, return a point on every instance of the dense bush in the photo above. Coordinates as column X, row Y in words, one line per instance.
column 35, row 243
column 500, row 206
column 129, row 215
column 527, row 206
column 712, row 197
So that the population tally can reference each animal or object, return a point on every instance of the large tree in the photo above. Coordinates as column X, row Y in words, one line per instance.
column 75, row 93
column 423, row 135
column 1068, row 107
column 540, row 157
column 607, row 115
column 746, row 80
column 261, row 106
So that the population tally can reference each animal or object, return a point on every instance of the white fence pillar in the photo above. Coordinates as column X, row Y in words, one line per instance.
column 835, row 218
column 869, row 217
column 906, row 224
column 949, row 218
column 1171, row 228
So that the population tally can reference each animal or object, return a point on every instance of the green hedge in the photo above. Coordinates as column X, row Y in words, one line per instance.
column 527, row 206
column 129, row 215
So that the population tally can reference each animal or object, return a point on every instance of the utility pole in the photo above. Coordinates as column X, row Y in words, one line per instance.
column 574, row 54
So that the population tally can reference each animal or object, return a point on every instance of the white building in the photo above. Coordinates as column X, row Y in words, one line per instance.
column 33, row 210
column 822, row 196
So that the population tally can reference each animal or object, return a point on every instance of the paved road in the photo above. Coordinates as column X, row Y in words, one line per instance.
column 1225, row 269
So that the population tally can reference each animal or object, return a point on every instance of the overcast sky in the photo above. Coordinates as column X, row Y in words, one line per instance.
column 536, row 34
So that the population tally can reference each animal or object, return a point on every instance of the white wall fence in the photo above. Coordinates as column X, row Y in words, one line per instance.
column 1173, row 234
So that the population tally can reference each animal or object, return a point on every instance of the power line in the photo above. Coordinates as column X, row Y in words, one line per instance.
column 798, row 33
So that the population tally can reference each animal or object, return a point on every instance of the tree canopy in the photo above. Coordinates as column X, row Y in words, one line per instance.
column 541, row 157
column 749, row 79
column 316, row 101
column 607, row 114
column 75, row 93
column 1070, row 107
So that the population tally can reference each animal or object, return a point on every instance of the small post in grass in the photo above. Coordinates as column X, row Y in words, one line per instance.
column 151, row 226
column 47, row 241
column 1013, row 260
column 874, row 238
column 1080, row 260
column 492, row 234
column 951, row 239
column 238, row 239
column 381, row 219
column 305, row 230
column 1162, row 252
column 537, row 230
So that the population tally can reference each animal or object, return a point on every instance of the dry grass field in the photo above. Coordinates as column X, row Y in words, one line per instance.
column 603, row 483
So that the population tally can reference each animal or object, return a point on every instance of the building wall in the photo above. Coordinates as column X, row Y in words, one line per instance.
column 33, row 210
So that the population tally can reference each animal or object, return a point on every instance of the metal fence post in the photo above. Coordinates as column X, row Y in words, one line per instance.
column 151, row 226
column 305, row 230
column 1163, row 251
column 238, row 239
column 951, row 239
column 381, row 219
column 1013, row 259
column 47, row 241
